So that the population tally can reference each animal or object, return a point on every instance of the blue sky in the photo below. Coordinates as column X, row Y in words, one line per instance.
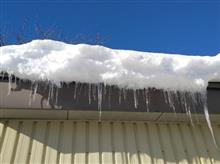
column 184, row 27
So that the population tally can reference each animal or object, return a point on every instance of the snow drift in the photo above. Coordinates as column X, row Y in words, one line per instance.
column 57, row 62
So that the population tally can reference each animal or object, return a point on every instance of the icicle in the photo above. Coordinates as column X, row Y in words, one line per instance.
column 171, row 101
column 124, row 94
column 75, row 91
column 203, row 98
column 175, row 98
column 135, row 99
column 35, row 91
column 89, row 93
column 100, row 89
column 147, row 99
column 49, row 93
column 52, row 91
column 57, row 92
column 188, row 108
column 165, row 96
column 206, row 112
column 9, row 84
column 194, row 102
column 190, row 115
column 169, row 98
column 30, row 95
column 94, row 89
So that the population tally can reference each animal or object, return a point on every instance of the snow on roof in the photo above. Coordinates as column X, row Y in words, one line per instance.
column 57, row 61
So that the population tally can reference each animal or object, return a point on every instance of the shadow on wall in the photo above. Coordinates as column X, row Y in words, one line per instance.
column 109, row 142
column 84, row 96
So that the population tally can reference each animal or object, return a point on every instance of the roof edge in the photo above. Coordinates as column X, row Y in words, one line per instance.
column 42, row 114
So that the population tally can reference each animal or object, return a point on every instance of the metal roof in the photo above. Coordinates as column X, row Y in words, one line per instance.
column 137, row 142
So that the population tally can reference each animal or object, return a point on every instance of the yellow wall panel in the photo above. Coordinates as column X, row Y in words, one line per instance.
column 92, row 142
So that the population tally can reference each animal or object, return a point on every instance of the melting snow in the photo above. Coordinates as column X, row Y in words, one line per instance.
column 57, row 61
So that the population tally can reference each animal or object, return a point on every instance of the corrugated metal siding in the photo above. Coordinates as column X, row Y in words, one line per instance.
column 27, row 141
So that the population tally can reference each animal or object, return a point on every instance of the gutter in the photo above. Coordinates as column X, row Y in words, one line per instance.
column 42, row 114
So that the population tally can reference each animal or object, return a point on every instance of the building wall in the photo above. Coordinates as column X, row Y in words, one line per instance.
column 57, row 141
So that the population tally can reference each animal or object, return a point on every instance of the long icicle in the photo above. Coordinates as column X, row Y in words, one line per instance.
column 100, row 88
column 207, row 117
